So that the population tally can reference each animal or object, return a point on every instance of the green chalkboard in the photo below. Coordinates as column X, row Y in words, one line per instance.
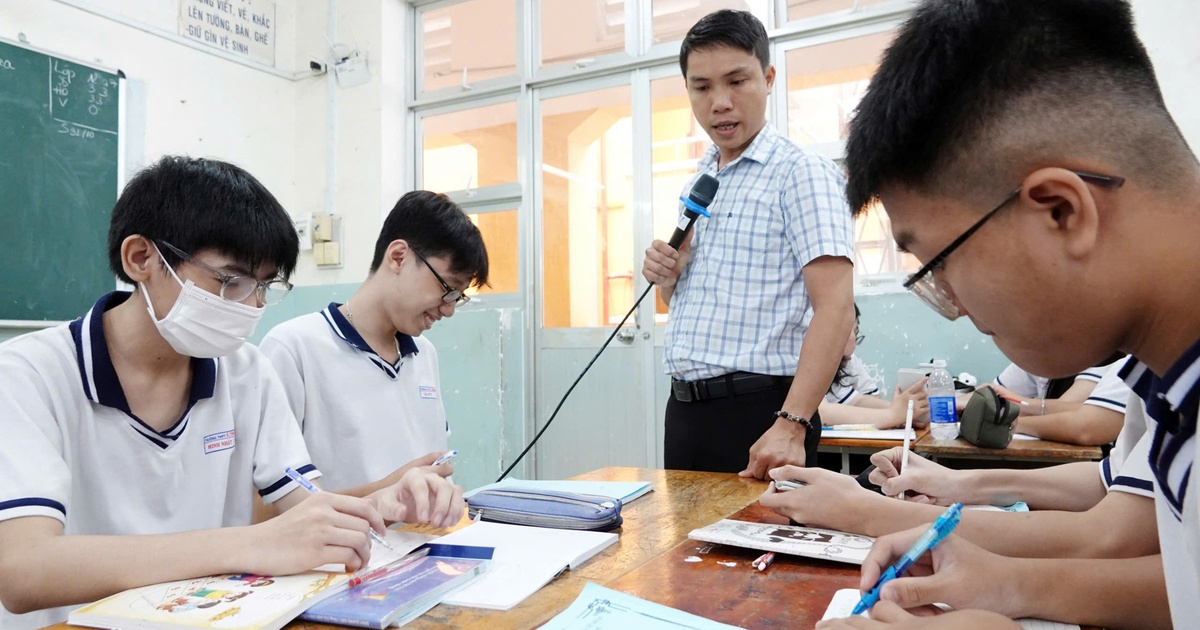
column 58, row 182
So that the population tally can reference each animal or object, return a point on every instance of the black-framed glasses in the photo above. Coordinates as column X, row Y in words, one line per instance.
column 925, row 286
column 452, row 295
column 237, row 288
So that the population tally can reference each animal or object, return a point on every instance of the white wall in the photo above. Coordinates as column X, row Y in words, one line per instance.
column 1168, row 29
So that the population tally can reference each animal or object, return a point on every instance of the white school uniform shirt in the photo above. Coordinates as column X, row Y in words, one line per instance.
column 1172, row 405
column 72, row 451
column 1127, row 467
column 362, row 417
column 858, row 383
column 1031, row 386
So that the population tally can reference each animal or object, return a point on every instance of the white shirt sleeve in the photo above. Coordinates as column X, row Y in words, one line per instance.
column 1110, row 392
column 1021, row 382
column 279, row 444
column 859, row 382
column 35, row 479
column 290, row 372
column 1127, row 467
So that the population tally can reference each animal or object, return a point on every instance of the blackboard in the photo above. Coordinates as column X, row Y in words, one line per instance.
column 59, row 169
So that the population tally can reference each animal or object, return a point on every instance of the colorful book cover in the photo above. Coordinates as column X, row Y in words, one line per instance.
column 233, row 602
column 825, row 544
column 402, row 595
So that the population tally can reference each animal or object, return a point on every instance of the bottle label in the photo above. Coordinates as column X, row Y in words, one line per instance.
column 941, row 409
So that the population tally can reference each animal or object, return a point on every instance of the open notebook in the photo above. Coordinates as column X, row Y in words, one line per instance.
column 525, row 560
column 845, row 600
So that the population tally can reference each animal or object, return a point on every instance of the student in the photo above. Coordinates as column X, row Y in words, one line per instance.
column 1096, row 422
column 767, row 279
column 360, row 378
column 132, row 435
column 854, row 396
column 1044, row 396
column 1032, row 146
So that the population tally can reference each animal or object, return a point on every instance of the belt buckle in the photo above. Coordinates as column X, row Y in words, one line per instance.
column 682, row 390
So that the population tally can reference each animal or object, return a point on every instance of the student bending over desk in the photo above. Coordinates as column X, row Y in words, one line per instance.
column 133, row 434
column 361, row 380
column 1031, row 147
column 854, row 397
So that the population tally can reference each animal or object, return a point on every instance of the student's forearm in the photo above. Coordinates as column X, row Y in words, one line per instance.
column 1073, row 487
column 1089, row 426
column 63, row 570
column 1114, row 594
column 834, row 413
column 820, row 354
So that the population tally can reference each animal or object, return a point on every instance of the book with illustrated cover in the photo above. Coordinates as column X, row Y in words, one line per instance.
column 404, row 594
column 233, row 602
column 810, row 542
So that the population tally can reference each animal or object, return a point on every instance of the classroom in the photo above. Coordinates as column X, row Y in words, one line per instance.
column 564, row 131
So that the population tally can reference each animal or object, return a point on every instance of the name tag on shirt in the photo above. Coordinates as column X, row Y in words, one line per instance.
column 428, row 392
column 217, row 442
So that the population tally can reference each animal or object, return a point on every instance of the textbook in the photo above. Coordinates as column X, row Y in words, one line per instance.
column 233, row 602
column 398, row 597
column 810, row 542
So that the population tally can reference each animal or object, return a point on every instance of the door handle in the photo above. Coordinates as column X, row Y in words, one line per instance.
column 625, row 335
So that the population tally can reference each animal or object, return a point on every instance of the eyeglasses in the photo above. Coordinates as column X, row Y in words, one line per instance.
column 937, row 295
column 452, row 295
column 238, row 288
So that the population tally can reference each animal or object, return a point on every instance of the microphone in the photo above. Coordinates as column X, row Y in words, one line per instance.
column 694, row 205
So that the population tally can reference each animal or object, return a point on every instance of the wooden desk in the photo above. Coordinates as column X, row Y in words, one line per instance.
column 1024, row 450
column 848, row 446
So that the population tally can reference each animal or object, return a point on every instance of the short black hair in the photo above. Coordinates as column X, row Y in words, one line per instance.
column 196, row 204
column 972, row 95
column 435, row 226
column 734, row 29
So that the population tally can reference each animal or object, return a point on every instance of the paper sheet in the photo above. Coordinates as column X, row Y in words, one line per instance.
column 525, row 560
column 626, row 491
column 845, row 600
column 402, row 543
column 811, row 542
column 599, row 608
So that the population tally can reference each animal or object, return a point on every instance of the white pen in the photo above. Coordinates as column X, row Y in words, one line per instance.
column 307, row 485
column 447, row 456
column 907, row 429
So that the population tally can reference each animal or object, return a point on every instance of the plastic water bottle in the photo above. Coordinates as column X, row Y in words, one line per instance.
column 943, row 417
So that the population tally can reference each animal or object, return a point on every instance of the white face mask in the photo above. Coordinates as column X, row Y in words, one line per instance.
column 202, row 324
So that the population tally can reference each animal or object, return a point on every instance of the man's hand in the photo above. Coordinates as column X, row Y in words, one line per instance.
column 781, row 445
column 324, row 528
column 830, row 500
column 930, row 482
column 663, row 264
column 889, row 616
column 899, row 407
column 421, row 496
column 955, row 572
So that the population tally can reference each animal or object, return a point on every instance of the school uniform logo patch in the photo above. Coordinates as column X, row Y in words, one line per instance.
column 428, row 392
column 218, row 442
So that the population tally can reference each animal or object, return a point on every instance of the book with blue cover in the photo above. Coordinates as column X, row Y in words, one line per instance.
column 400, row 596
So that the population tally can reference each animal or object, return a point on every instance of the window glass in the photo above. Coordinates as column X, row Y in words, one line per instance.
column 499, row 230
column 825, row 83
column 471, row 148
column 575, row 30
column 478, row 37
column 800, row 9
column 673, row 19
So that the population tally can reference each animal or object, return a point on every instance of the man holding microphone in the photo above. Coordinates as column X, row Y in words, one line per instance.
column 760, row 294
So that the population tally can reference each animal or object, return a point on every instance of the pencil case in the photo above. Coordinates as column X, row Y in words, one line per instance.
column 545, row 508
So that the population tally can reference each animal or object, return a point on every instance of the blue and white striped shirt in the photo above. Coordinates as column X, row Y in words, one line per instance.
column 741, row 304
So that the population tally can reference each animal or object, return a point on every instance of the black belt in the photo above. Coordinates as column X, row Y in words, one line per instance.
column 732, row 384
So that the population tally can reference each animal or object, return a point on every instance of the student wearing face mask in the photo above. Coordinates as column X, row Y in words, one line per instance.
column 361, row 380
column 134, row 434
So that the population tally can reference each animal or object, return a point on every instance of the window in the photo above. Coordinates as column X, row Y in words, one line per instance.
column 587, row 222
column 801, row 9
column 673, row 18
column 471, row 148
column 468, row 42
column 824, row 85
column 499, row 231
column 575, row 31
column 874, row 251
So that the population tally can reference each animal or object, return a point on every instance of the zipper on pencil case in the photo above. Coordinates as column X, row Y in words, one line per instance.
column 519, row 517
column 600, row 507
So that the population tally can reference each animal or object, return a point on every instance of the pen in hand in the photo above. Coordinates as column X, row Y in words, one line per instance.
column 307, row 485
column 447, row 456
column 932, row 536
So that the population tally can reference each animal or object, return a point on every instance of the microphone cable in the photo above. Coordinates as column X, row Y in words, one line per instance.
column 695, row 204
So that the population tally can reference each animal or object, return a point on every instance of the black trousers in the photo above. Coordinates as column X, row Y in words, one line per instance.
column 716, row 435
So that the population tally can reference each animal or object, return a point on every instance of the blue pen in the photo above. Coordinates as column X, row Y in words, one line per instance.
column 447, row 456
column 307, row 485
column 932, row 536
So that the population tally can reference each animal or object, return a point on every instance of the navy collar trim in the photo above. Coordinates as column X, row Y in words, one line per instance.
column 348, row 333
column 101, row 384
